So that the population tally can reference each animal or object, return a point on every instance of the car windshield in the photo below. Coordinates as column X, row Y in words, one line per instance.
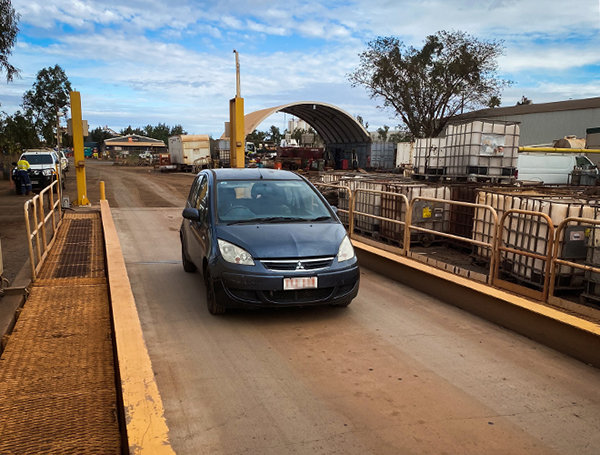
column 37, row 159
column 268, row 201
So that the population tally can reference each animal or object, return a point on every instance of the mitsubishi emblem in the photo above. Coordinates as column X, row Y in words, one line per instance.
column 299, row 266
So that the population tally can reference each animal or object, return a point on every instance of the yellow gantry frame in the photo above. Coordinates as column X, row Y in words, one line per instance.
column 79, row 157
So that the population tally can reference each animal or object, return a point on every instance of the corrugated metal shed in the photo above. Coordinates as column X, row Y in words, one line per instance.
column 333, row 124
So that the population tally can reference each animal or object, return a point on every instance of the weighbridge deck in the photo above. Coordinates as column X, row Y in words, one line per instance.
column 57, row 374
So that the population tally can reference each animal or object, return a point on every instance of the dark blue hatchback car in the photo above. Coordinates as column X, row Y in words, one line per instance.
column 266, row 238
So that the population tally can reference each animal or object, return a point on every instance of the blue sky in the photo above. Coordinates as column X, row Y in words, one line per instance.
column 144, row 62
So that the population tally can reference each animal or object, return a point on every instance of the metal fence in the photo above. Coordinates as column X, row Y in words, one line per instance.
column 501, row 247
column 42, row 223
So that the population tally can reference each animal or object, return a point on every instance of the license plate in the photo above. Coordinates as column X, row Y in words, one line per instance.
column 35, row 182
column 299, row 283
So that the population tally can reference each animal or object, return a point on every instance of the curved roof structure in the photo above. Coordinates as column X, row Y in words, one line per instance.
column 331, row 123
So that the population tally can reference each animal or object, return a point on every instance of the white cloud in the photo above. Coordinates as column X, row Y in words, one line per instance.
column 141, row 61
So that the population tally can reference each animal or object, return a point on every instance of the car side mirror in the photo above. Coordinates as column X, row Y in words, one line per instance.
column 335, row 209
column 190, row 213
column 14, row 163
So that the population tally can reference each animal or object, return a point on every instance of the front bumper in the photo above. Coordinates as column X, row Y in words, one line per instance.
column 235, row 290
column 39, row 180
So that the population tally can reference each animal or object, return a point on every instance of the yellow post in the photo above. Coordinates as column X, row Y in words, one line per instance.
column 102, row 192
column 77, row 125
column 237, row 135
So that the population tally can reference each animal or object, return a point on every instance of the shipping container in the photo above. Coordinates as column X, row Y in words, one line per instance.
column 383, row 155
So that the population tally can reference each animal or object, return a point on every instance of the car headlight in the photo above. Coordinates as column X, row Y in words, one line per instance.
column 234, row 254
column 346, row 251
column 47, row 172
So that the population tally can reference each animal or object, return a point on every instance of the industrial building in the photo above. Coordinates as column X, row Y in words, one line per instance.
column 133, row 144
column 543, row 123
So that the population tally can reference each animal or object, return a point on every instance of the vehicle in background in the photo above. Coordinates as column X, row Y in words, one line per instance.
column 266, row 238
column 556, row 168
column 164, row 163
column 189, row 150
column 64, row 161
column 146, row 155
column 45, row 168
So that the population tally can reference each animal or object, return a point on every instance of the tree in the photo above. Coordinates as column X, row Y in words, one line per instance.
column 17, row 132
column 360, row 120
column 99, row 134
column 383, row 133
column 274, row 135
column 49, row 96
column 8, row 37
column 256, row 137
column 451, row 73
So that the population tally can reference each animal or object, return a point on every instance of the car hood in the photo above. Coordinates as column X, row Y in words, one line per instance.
column 285, row 240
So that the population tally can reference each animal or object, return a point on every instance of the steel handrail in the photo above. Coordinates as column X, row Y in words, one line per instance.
column 40, row 219
column 555, row 261
column 549, row 247
column 491, row 245
column 369, row 215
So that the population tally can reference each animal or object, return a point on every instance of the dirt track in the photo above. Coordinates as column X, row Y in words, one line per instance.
column 125, row 187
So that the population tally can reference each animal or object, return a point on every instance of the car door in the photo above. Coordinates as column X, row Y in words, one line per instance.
column 199, row 229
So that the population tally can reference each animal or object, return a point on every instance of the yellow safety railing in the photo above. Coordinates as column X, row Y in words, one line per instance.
column 556, row 262
column 543, row 296
column 34, row 209
column 381, row 218
column 491, row 245
column 496, row 246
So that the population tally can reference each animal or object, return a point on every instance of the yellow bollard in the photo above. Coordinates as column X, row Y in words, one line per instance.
column 102, row 192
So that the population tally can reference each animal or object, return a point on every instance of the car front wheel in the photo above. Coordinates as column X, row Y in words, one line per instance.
column 211, row 297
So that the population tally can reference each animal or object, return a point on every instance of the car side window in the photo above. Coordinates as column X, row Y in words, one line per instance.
column 202, row 201
column 192, row 198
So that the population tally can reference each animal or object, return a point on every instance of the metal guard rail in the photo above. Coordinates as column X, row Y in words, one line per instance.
column 550, row 258
column 40, row 218
column 555, row 261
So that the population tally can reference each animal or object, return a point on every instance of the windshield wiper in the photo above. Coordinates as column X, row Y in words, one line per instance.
column 320, row 218
column 269, row 219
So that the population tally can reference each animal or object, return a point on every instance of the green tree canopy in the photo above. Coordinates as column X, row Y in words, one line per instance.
column 274, row 135
column 453, row 72
column 9, row 29
column 162, row 131
column 48, row 97
column 17, row 132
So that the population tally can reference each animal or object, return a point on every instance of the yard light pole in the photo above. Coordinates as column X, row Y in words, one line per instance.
column 237, row 135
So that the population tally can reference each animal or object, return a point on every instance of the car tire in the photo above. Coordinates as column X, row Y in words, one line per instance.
column 18, row 188
column 188, row 265
column 211, row 297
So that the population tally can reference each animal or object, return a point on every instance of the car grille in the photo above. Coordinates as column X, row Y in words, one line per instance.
column 291, row 265
column 345, row 289
column 244, row 294
column 298, row 296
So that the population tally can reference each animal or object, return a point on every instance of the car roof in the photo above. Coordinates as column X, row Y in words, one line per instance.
column 254, row 174
column 38, row 152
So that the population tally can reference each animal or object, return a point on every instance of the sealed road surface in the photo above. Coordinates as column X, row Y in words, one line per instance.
column 396, row 372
